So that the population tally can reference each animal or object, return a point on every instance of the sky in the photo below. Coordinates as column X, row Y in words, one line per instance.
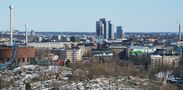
column 81, row 15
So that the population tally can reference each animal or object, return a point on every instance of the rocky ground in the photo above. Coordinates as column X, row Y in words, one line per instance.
column 58, row 78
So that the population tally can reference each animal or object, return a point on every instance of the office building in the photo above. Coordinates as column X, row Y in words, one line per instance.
column 101, row 29
column 119, row 32
column 110, row 29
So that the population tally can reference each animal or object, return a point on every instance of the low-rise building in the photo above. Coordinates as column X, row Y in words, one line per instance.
column 102, row 54
column 86, row 48
column 120, row 52
column 160, row 61
column 61, row 53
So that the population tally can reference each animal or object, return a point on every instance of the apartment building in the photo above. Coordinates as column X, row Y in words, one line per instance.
column 74, row 54
column 160, row 61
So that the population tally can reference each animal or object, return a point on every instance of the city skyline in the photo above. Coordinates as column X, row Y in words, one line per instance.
column 81, row 15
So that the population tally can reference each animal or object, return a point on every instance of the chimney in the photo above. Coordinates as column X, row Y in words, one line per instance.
column 26, row 36
column 179, row 32
column 11, row 25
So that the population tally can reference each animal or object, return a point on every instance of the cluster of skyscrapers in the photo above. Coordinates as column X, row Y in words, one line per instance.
column 105, row 30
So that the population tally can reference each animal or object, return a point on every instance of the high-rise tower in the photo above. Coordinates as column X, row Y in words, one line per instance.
column 110, row 29
column 101, row 30
column 119, row 32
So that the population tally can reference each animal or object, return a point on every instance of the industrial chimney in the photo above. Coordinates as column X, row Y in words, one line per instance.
column 179, row 32
column 11, row 25
column 26, row 36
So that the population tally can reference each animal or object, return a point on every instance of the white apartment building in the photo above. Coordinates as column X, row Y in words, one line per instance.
column 74, row 55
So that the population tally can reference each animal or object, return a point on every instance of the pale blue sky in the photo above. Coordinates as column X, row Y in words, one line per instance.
column 81, row 15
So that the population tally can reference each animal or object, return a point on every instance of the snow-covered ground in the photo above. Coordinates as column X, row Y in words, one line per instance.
column 49, row 77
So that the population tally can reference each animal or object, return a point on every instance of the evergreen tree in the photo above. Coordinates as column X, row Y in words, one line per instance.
column 68, row 63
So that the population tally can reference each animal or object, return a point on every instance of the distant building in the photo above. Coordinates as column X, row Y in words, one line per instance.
column 164, row 58
column 32, row 33
column 104, row 29
column 98, row 33
column 68, row 39
column 179, row 43
column 86, row 48
column 54, row 38
column 74, row 39
column 49, row 44
column 60, row 52
column 59, row 37
column 119, row 32
column 123, row 34
column 74, row 54
column 160, row 61
column 151, row 40
column 110, row 28
column 40, row 39
column 103, row 21
column 102, row 54
column 119, row 52
column 101, row 29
